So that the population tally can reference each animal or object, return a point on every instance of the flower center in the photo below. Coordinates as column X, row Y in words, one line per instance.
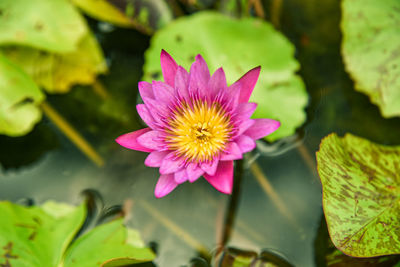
column 200, row 131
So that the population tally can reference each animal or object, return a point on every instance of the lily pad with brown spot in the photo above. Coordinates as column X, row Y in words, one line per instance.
column 51, row 25
column 361, row 195
column 47, row 236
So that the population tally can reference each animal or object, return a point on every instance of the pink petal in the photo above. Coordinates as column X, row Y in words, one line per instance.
column 145, row 115
column 247, row 83
column 168, row 67
column 233, row 94
column 199, row 77
column 245, row 110
column 181, row 176
column 151, row 140
column 193, row 172
column 166, row 183
column 223, row 178
column 145, row 90
column 232, row 152
column 210, row 167
column 217, row 82
column 155, row 158
column 262, row 127
column 163, row 92
column 182, row 83
column 130, row 141
column 245, row 143
column 244, row 125
column 170, row 164
column 157, row 109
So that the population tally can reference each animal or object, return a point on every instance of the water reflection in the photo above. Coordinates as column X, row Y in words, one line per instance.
column 191, row 219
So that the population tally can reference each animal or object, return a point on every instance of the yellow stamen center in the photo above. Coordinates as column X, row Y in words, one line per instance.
column 199, row 132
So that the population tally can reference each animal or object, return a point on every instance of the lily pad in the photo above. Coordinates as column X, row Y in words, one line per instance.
column 361, row 189
column 57, row 72
column 44, row 236
column 238, row 46
column 19, row 100
column 234, row 257
column 111, row 240
column 144, row 15
column 371, row 41
column 53, row 25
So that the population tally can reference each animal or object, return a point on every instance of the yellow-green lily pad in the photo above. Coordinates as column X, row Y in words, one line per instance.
column 19, row 100
column 144, row 15
column 57, row 72
column 371, row 50
column 52, row 25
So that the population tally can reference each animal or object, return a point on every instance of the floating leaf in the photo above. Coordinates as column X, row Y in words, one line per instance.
column 144, row 15
column 371, row 50
column 32, row 237
column 42, row 236
column 53, row 25
column 19, row 100
column 361, row 188
column 234, row 257
column 111, row 240
column 238, row 46
column 327, row 255
column 57, row 72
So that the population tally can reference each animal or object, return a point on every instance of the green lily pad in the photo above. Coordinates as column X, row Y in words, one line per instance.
column 144, row 15
column 57, row 72
column 44, row 236
column 32, row 237
column 371, row 41
column 361, row 193
column 326, row 254
column 111, row 240
column 19, row 100
column 238, row 46
column 53, row 25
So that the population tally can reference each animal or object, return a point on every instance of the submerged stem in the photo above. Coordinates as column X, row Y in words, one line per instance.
column 305, row 154
column 270, row 192
column 175, row 228
column 258, row 8
column 69, row 131
column 276, row 7
column 233, row 204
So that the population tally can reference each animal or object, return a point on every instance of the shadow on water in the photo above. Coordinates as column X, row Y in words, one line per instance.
column 276, row 205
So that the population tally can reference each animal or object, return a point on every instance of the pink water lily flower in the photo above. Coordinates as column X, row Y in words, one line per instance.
column 197, row 125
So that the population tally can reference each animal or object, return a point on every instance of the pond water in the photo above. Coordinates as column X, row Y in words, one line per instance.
column 279, row 206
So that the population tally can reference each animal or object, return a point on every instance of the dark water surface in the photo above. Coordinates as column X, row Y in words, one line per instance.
column 281, row 215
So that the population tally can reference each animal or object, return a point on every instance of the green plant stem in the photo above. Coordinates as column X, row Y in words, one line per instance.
column 230, row 214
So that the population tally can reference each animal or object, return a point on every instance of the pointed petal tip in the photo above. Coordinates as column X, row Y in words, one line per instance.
column 275, row 125
column 248, row 82
column 165, row 185
column 168, row 67
column 129, row 140
column 199, row 57
column 164, row 53
column 262, row 128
